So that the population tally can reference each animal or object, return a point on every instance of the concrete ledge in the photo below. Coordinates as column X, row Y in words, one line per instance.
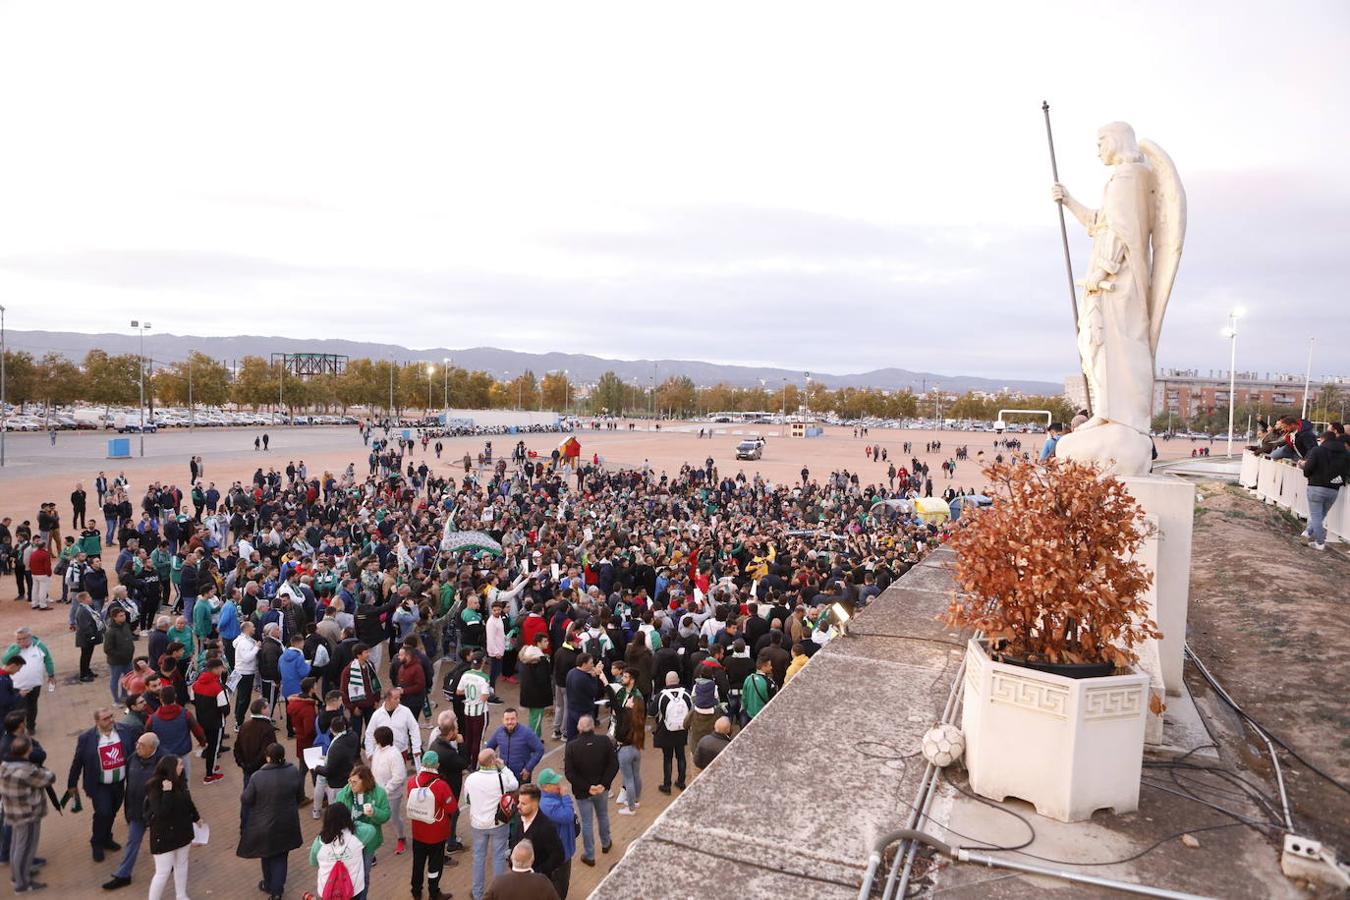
column 793, row 805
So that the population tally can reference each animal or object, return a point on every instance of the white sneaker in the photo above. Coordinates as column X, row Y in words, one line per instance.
column 623, row 797
column 1318, row 545
column 625, row 811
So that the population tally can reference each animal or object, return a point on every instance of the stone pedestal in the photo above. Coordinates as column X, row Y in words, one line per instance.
column 1169, row 503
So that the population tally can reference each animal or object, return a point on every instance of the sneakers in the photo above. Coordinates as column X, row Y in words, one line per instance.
column 401, row 848
column 213, row 778
column 663, row 788
column 625, row 811
column 1317, row 545
column 117, row 881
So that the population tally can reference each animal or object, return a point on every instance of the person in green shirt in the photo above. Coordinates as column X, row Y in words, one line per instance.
column 369, row 805
column 182, row 633
column 759, row 687
column 202, row 611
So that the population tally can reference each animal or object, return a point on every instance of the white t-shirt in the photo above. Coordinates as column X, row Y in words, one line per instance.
column 33, row 670
column 476, row 690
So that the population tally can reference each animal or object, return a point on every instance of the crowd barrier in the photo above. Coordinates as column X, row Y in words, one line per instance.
column 1282, row 482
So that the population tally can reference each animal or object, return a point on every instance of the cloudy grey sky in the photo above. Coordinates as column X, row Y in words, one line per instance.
column 830, row 186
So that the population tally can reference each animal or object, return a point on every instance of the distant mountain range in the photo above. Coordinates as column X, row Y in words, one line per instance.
column 581, row 368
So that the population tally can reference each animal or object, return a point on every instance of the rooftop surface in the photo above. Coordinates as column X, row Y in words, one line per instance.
column 794, row 804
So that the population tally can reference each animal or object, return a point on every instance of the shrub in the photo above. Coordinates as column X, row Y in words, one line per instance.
column 1049, row 570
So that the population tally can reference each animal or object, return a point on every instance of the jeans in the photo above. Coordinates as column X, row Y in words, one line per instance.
column 396, row 811
column 559, row 709
column 112, row 531
column 131, row 848
column 22, row 849
column 594, row 807
column 115, row 673
column 1284, row 451
column 488, row 840
column 1320, row 501
column 175, row 862
column 274, row 873
column 630, row 765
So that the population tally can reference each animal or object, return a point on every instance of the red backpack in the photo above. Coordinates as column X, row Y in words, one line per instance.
column 339, row 884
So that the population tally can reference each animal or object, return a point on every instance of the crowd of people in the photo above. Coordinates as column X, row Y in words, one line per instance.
column 1323, row 458
column 374, row 618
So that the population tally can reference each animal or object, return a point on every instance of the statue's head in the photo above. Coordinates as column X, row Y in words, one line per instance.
column 1116, row 144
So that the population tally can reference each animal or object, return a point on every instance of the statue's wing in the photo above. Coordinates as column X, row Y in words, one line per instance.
column 1169, row 233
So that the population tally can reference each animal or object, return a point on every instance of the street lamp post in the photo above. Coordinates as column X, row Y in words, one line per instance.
column 281, row 387
column 142, row 327
column 431, row 370
column 445, row 363
column 192, row 407
column 1231, row 332
column 1307, row 379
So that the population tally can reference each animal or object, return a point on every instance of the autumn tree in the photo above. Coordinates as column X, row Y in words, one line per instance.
column 56, row 380
column 112, row 380
column 556, row 391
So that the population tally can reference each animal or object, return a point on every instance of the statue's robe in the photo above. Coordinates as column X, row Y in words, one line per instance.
column 1113, row 326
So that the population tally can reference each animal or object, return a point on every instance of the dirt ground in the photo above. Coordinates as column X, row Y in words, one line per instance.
column 1268, row 619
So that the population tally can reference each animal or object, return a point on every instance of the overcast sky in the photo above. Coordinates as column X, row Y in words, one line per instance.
column 828, row 186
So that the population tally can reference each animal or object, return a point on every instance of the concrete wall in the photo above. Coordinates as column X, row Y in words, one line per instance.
column 504, row 418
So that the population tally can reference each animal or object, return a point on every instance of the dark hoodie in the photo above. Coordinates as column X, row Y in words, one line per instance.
column 206, row 692
column 176, row 728
column 1328, row 464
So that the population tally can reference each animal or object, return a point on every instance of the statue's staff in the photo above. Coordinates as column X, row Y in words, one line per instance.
column 1064, row 236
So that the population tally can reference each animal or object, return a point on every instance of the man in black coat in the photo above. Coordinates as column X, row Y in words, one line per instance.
column 343, row 754
column 540, row 831
column 272, row 828
column 140, row 766
column 99, row 766
column 590, row 763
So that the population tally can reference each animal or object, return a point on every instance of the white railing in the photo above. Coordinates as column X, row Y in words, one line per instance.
column 1283, row 483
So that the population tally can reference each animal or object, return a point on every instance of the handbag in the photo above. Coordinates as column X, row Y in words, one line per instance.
column 506, row 806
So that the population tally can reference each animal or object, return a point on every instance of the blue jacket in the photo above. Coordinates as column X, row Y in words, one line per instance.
column 293, row 667
column 561, row 812
column 85, row 762
column 228, row 627
column 520, row 749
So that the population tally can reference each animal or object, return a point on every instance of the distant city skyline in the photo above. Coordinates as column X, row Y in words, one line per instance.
column 783, row 184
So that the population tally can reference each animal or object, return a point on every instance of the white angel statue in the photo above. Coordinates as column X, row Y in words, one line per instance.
column 1136, row 245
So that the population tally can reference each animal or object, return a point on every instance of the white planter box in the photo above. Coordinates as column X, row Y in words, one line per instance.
column 1068, row 746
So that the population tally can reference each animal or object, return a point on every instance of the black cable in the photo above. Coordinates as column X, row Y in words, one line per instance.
column 1031, row 829
column 1075, row 862
column 1223, row 695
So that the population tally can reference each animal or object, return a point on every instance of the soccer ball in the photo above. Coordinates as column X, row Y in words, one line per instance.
column 943, row 745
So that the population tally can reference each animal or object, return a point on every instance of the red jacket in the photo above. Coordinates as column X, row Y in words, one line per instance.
column 412, row 679
column 533, row 625
column 40, row 562
column 302, row 712
column 437, row 832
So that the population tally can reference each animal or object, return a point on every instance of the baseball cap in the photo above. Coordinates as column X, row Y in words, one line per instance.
column 548, row 776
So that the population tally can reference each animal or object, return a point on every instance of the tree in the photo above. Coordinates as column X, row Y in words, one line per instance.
column 677, row 395
column 609, row 394
column 56, row 380
column 255, row 385
column 524, row 391
column 20, row 377
column 556, row 391
column 112, row 380
column 199, row 380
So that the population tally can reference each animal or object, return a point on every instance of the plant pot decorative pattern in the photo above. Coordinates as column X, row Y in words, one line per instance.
column 1069, row 746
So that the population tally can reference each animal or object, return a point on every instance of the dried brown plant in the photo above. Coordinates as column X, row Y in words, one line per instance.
column 1049, row 571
